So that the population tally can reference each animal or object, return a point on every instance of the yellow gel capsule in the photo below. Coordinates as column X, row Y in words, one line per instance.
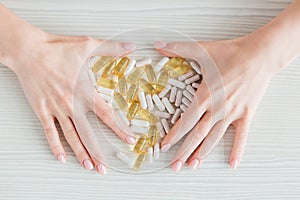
column 148, row 116
column 147, row 87
column 140, row 144
column 120, row 101
column 122, row 84
column 151, row 76
column 139, row 161
column 107, row 83
column 180, row 70
column 131, row 92
column 100, row 63
column 162, row 81
column 152, row 135
column 109, row 69
column 134, row 107
column 121, row 66
column 135, row 75
column 173, row 63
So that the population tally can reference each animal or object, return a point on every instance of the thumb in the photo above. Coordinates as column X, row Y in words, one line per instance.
column 113, row 48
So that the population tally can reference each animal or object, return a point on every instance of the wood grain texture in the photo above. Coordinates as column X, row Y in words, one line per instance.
column 271, row 165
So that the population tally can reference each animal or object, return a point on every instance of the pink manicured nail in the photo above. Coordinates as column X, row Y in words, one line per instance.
column 128, row 46
column 102, row 169
column 194, row 164
column 165, row 147
column 130, row 140
column 61, row 158
column 160, row 45
column 177, row 166
column 234, row 163
column 88, row 165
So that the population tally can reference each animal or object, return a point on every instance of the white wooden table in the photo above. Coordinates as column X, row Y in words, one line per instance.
column 271, row 165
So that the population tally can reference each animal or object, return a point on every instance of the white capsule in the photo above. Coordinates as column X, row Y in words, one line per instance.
column 123, row 117
column 185, row 101
column 191, row 89
column 188, row 95
column 92, row 61
column 165, row 91
column 161, row 64
column 195, row 66
column 185, row 76
column 176, row 116
column 183, row 107
column 106, row 98
column 139, row 129
column 195, row 85
column 130, row 67
column 160, row 129
column 125, row 158
column 150, row 154
column 168, row 105
column 142, row 99
column 161, row 114
column 92, row 77
column 149, row 102
column 158, row 103
column 173, row 94
column 178, row 98
column 139, row 122
column 192, row 79
column 106, row 91
column 176, row 83
column 156, row 151
column 143, row 62
column 165, row 125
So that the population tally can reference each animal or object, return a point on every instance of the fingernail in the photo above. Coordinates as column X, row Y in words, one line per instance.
column 234, row 163
column 177, row 166
column 160, row 45
column 88, row 165
column 61, row 158
column 165, row 148
column 194, row 164
column 130, row 140
column 128, row 46
column 102, row 169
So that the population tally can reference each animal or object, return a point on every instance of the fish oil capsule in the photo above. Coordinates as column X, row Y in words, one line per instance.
column 146, row 115
column 173, row 63
column 120, row 101
column 100, row 63
column 109, row 69
column 131, row 92
column 140, row 144
column 151, row 76
column 180, row 70
column 134, row 107
column 162, row 81
column 107, row 83
column 134, row 77
column 121, row 66
column 147, row 87
column 139, row 161
column 152, row 135
column 122, row 85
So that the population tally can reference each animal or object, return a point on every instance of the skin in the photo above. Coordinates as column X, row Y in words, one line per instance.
column 236, row 75
column 57, row 87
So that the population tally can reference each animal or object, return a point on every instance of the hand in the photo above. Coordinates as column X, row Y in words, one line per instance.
column 58, row 89
column 236, row 76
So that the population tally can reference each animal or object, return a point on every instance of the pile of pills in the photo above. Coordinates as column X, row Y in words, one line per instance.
column 148, row 98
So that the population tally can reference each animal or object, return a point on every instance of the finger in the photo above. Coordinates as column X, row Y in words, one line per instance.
column 72, row 138
column 242, row 127
column 192, row 141
column 113, row 48
column 53, row 138
column 112, row 119
column 90, row 141
column 212, row 139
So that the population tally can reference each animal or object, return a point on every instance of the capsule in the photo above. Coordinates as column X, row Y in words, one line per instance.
column 133, row 78
column 121, row 67
column 151, row 76
column 139, row 161
column 174, row 63
column 109, row 69
column 107, row 83
column 152, row 135
column 131, row 92
column 134, row 107
column 120, row 101
column 147, row 87
column 180, row 70
column 140, row 144
column 162, row 81
column 148, row 116
column 100, row 63
column 122, row 84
